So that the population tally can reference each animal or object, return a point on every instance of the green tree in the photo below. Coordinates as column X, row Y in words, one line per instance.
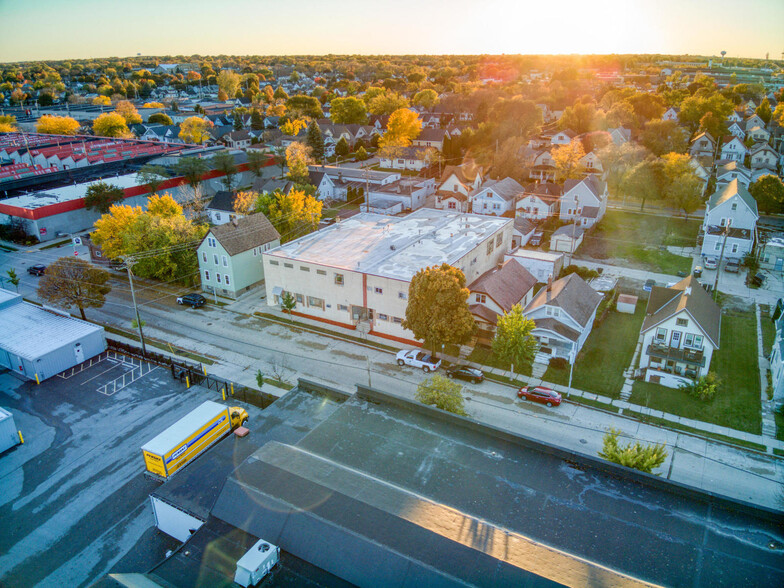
column 437, row 310
column 349, row 110
column 361, row 154
column 256, row 120
column 442, row 393
column 288, row 303
column 256, row 161
column 645, row 458
column 643, row 182
column 294, row 214
column 387, row 103
column 192, row 169
column 764, row 111
column 280, row 94
column 682, row 188
column 101, row 196
column 13, row 278
column 71, row 281
column 279, row 157
column 704, row 388
column 426, row 98
column 153, row 176
column 315, row 141
column 664, row 136
column 237, row 121
column 342, row 148
column 228, row 82
column 223, row 161
column 513, row 342
column 304, row 106
column 581, row 118
column 160, row 118
column 768, row 191
column 716, row 126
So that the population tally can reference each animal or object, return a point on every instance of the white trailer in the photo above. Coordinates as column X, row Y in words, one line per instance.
column 9, row 435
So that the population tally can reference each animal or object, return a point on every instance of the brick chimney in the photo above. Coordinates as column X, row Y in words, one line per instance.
column 549, row 287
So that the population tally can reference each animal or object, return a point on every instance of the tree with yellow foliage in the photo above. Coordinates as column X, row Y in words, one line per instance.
column 162, row 230
column 102, row 101
column 57, row 125
column 128, row 112
column 403, row 127
column 566, row 159
column 244, row 202
column 111, row 124
column 7, row 124
column 152, row 105
column 293, row 127
column 194, row 130
column 294, row 214
column 298, row 158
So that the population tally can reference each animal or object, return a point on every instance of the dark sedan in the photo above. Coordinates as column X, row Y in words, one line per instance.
column 36, row 270
column 463, row 372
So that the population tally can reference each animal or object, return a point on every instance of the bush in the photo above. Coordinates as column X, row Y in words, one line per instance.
column 585, row 273
column 704, row 388
column 442, row 393
column 645, row 458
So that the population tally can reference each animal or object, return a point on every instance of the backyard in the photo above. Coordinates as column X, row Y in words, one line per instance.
column 604, row 357
column 737, row 403
column 640, row 240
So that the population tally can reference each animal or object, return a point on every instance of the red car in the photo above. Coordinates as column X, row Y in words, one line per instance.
column 540, row 394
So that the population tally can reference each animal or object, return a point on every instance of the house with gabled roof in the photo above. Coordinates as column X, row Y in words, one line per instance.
column 591, row 163
column 620, row 135
column 730, row 222
column 735, row 117
column 671, row 114
column 563, row 312
column 681, row 330
column 497, row 291
column 431, row 138
column 732, row 148
column 753, row 121
column 726, row 171
column 584, row 201
column 703, row 145
column 220, row 210
column 563, row 137
column 495, row 197
column 325, row 187
column 539, row 201
column 759, row 134
column 230, row 261
column 737, row 131
column 461, row 179
column 763, row 156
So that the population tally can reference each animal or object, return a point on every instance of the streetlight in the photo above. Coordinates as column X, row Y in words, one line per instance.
column 571, row 368
column 129, row 262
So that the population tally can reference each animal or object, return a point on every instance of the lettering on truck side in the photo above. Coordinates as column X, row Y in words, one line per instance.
column 193, row 445
column 154, row 464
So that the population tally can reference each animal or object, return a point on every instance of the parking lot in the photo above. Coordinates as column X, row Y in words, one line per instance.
column 73, row 498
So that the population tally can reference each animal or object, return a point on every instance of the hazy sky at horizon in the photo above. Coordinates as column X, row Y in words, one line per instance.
column 78, row 29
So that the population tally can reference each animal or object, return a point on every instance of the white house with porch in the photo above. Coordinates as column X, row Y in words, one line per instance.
column 730, row 222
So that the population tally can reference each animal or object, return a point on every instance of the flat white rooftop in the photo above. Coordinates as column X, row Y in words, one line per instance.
column 540, row 255
column 67, row 193
column 393, row 247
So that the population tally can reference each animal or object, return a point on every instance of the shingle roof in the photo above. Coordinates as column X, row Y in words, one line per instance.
column 545, row 189
column 523, row 225
column 270, row 185
column 428, row 134
column 245, row 233
column 571, row 293
column 569, row 231
column 506, row 285
column 688, row 295
column 508, row 189
column 465, row 173
column 556, row 326
column 733, row 188
column 223, row 200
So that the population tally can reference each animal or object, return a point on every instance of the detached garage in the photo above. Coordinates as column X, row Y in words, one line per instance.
column 36, row 341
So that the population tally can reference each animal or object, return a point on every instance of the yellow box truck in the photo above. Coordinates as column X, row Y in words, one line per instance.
column 193, row 434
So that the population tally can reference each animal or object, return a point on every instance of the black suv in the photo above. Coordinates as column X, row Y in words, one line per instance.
column 465, row 373
column 195, row 300
column 36, row 270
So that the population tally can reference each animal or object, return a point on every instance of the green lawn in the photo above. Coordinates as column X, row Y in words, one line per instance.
column 768, row 328
column 737, row 403
column 605, row 355
column 484, row 355
column 637, row 238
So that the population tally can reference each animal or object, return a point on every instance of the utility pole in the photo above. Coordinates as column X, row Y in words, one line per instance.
column 721, row 257
column 129, row 262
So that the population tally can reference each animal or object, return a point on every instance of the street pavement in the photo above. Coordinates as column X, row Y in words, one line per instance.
column 241, row 345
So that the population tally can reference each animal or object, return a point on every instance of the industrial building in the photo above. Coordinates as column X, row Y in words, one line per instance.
column 40, row 343
column 356, row 273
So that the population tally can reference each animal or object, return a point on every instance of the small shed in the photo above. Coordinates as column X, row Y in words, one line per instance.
column 627, row 303
column 43, row 343
column 567, row 238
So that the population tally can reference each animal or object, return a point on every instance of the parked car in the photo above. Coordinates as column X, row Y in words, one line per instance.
column 711, row 263
column 732, row 267
column 36, row 270
column 649, row 284
column 418, row 359
column 193, row 299
column 758, row 280
column 540, row 394
column 536, row 238
column 463, row 372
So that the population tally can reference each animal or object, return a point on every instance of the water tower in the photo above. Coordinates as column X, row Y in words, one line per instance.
column 723, row 53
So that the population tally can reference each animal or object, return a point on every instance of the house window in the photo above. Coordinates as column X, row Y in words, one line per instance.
column 402, row 295
column 342, row 307
column 451, row 205
column 274, row 262
column 693, row 341
column 554, row 312
column 498, row 240
column 489, row 246
column 397, row 320
column 682, row 322
column 227, row 279
column 734, row 247
column 321, row 272
column 300, row 299
column 288, row 265
column 211, row 242
column 218, row 277
column 661, row 335
column 255, row 251
column 206, row 275
column 383, row 317
column 215, row 258
column 204, row 256
column 217, row 216
column 379, row 290
column 717, row 246
column 734, row 204
column 314, row 302
column 225, row 261
column 304, row 268
column 481, row 298
column 339, row 279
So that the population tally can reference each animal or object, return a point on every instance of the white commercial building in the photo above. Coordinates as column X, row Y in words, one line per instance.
column 356, row 273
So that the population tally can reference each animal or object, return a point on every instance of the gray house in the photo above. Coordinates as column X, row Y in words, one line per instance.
column 40, row 343
column 230, row 255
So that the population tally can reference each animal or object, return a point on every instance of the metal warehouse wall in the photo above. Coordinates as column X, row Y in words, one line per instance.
column 57, row 360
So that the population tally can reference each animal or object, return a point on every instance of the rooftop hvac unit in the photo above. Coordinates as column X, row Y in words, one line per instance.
column 256, row 563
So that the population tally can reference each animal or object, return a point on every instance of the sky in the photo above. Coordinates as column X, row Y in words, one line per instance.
column 79, row 29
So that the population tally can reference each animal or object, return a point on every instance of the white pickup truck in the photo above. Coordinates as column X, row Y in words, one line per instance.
column 418, row 359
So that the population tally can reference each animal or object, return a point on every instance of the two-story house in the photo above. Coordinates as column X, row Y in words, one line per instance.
column 730, row 222
column 670, row 114
column 431, row 138
column 591, row 163
column 563, row 312
column 759, row 134
column 230, row 255
column 703, row 145
column 737, row 131
column 753, row 121
column 325, row 187
column 584, row 201
column 456, row 183
column 542, row 167
column 763, row 156
column 563, row 137
column 496, row 292
column 495, row 197
column 220, row 210
column 680, row 332
column 539, row 201
column 726, row 171
column 733, row 148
